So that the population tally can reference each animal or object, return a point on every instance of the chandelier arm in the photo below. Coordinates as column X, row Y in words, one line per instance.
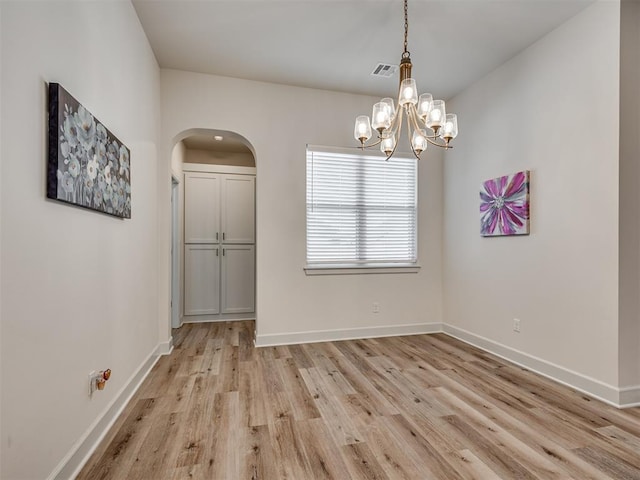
column 393, row 127
column 375, row 144
column 399, row 126
column 414, row 118
column 394, row 132
column 445, row 146
column 413, row 150
column 395, row 145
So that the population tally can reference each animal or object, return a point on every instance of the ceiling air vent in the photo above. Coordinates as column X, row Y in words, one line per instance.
column 384, row 70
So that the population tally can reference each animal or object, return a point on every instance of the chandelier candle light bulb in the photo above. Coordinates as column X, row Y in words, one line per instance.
column 424, row 105
column 436, row 115
column 427, row 120
column 419, row 141
column 387, row 145
column 363, row 128
column 381, row 117
column 408, row 92
column 388, row 102
column 450, row 129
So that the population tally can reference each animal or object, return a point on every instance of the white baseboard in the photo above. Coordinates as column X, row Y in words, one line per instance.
column 630, row 397
column 79, row 454
column 587, row 385
column 230, row 317
column 272, row 340
column 164, row 348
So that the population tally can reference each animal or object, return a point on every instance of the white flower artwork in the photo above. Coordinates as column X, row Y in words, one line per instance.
column 88, row 166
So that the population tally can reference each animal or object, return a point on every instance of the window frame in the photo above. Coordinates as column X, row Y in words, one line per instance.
column 359, row 266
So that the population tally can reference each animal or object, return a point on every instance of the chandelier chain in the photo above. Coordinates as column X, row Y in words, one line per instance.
column 405, row 54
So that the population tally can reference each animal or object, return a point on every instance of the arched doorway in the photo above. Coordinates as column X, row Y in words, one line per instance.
column 208, row 164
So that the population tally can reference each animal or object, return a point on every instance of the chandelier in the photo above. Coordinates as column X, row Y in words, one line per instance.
column 427, row 120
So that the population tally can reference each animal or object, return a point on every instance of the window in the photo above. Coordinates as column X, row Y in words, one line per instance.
column 361, row 209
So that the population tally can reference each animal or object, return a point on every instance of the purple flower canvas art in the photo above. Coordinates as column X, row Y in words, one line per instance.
column 504, row 205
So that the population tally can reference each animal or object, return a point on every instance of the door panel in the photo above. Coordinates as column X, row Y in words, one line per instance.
column 238, row 209
column 201, row 279
column 238, row 279
column 201, row 208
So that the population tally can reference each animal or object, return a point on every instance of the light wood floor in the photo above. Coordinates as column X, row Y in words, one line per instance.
column 415, row 407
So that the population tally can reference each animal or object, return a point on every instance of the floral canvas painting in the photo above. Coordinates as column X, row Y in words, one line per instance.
column 87, row 166
column 504, row 205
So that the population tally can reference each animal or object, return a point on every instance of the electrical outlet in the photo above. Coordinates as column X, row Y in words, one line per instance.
column 98, row 380
column 376, row 307
column 516, row 325
column 93, row 376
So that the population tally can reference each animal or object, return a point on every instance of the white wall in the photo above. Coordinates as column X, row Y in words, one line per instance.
column 279, row 121
column 79, row 288
column 629, row 216
column 553, row 109
column 178, row 156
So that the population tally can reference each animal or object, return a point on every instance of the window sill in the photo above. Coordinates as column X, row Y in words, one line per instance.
column 350, row 269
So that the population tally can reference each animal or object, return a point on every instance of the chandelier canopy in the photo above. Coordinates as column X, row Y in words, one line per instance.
column 427, row 120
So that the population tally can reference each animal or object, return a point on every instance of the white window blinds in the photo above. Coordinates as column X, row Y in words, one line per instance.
column 361, row 209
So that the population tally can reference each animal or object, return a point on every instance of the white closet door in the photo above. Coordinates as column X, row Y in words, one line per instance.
column 201, row 208
column 238, row 209
column 201, row 279
column 238, row 278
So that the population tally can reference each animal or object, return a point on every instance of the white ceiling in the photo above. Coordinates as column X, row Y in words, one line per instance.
column 229, row 143
column 335, row 44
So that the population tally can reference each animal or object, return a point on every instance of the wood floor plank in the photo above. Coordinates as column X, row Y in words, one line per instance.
column 609, row 464
column 226, row 454
column 621, row 438
column 194, row 433
column 300, row 356
column 496, row 458
column 409, row 393
column 371, row 399
column 430, row 458
column 257, row 457
column 271, row 374
column 212, row 356
column 361, row 463
column 161, row 436
column 414, row 408
column 520, row 425
column 523, row 427
column 331, row 408
column 332, row 375
column 536, row 462
column 252, row 395
column 114, row 456
column 290, row 460
column 229, row 370
column 322, row 454
column 389, row 452
column 302, row 403
column 471, row 467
